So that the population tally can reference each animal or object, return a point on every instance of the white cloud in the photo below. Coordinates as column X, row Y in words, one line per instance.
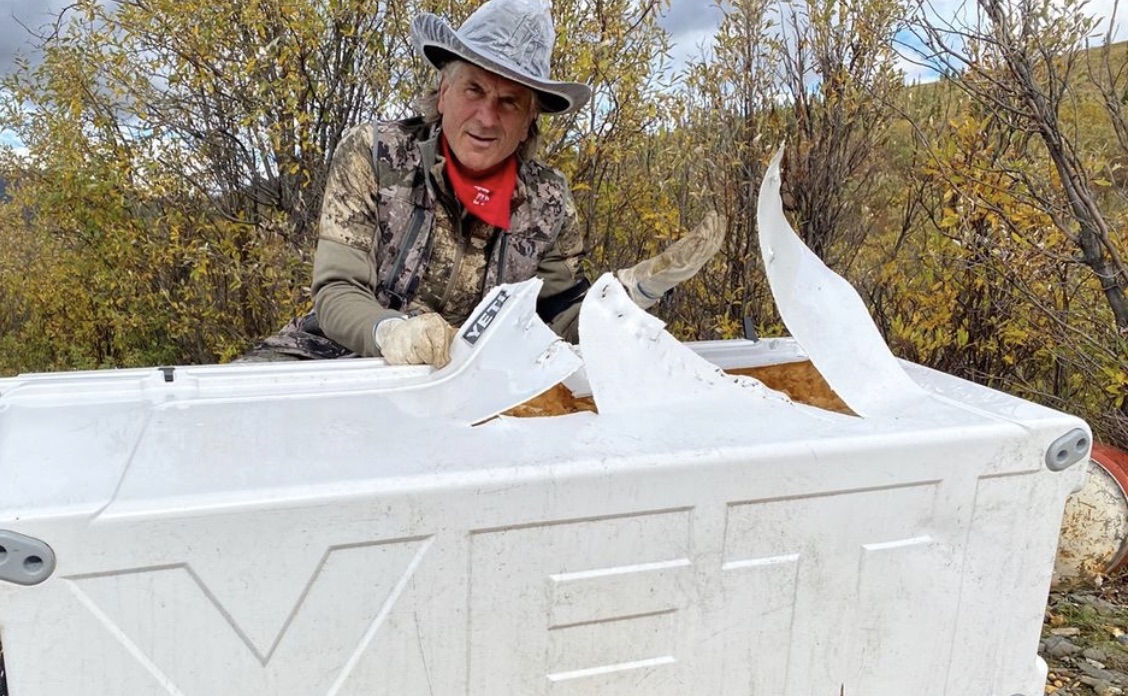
column 691, row 25
column 964, row 12
column 1108, row 12
column 691, row 45
column 690, row 16
column 11, row 144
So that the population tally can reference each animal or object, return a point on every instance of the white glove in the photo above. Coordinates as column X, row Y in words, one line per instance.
column 419, row 340
column 648, row 280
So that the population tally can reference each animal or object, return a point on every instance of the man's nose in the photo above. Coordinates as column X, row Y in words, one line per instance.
column 489, row 113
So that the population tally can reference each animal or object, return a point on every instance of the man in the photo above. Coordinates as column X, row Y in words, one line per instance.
column 422, row 217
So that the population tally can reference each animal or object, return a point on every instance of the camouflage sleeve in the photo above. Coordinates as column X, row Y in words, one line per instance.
column 562, row 273
column 344, row 277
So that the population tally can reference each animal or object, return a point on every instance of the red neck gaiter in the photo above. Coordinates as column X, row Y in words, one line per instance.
column 487, row 195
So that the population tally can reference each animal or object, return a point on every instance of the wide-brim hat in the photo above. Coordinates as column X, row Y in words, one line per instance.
column 510, row 38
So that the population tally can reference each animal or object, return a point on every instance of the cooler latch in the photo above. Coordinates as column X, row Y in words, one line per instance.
column 24, row 560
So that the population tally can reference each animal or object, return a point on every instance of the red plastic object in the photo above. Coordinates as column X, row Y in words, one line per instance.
column 1115, row 462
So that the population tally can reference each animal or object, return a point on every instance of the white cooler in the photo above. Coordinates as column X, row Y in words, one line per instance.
column 347, row 527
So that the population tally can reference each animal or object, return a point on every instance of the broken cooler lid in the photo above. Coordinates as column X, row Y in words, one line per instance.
column 346, row 527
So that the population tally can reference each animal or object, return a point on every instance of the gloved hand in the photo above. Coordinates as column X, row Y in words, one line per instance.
column 420, row 340
column 647, row 281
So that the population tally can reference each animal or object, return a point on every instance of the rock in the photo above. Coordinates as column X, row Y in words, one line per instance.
column 1095, row 655
column 1099, row 686
column 1097, row 673
column 1099, row 605
column 1104, row 608
column 1059, row 647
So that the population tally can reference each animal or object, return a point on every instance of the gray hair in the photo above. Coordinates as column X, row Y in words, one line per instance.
column 428, row 107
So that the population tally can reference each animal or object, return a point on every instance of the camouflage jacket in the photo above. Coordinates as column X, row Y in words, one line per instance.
column 393, row 239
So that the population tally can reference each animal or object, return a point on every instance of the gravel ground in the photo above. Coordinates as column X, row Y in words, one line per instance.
column 1085, row 640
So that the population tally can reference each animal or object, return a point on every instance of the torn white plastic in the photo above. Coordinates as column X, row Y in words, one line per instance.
column 632, row 363
column 501, row 357
column 826, row 316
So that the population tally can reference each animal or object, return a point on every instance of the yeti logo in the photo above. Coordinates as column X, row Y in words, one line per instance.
column 483, row 320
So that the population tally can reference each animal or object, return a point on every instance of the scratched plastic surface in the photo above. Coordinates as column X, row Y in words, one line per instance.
column 355, row 528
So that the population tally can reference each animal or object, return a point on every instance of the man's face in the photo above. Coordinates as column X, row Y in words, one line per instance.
column 485, row 117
